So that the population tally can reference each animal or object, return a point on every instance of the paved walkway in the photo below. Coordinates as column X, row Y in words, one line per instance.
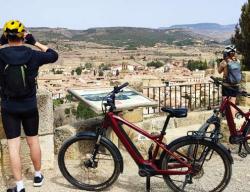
column 129, row 181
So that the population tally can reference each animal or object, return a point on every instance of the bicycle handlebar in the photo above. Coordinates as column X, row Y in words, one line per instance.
column 216, row 81
column 219, row 82
column 118, row 89
column 111, row 96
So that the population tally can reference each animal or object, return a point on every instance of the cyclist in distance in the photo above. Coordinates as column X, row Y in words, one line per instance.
column 231, row 69
column 19, row 67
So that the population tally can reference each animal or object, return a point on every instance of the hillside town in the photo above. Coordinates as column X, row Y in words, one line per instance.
column 90, row 65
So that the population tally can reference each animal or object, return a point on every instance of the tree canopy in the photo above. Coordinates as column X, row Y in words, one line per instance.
column 241, row 38
column 156, row 64
column 193, row 65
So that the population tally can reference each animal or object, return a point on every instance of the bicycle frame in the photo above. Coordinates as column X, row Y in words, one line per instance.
column 114, row 121
column 226, row 107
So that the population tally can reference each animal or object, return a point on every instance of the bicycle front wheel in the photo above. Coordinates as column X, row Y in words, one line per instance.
column 77, row 166
column 211, row 167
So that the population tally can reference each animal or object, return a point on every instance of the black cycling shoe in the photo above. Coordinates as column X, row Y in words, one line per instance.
column 14, row 190
column 38, row 181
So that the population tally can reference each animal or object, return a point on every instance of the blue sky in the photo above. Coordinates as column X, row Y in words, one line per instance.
column 83, row 14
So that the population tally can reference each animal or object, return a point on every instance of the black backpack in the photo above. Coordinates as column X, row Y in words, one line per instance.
column 17, row 83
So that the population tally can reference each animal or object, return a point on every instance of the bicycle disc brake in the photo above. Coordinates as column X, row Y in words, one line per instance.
column 90, row 163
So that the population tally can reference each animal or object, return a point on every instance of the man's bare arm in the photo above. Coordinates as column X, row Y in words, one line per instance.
column 42, row 47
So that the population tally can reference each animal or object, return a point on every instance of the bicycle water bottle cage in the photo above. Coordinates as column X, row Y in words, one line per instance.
column 179, row 113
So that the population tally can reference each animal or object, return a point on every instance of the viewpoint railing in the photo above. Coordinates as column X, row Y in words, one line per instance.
column 193, row 96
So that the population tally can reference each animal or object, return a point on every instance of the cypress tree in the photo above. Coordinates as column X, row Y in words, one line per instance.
column 241, row 38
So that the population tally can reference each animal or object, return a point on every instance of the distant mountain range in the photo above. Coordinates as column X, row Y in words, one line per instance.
column 205, row 26
column 213, row 30
column 132, row 36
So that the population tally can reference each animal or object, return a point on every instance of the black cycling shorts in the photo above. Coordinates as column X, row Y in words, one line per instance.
column 231, row 91
column 12, row 123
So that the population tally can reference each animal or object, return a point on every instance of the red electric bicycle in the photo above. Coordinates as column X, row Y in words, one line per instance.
column 90, row 161
column 240, row 136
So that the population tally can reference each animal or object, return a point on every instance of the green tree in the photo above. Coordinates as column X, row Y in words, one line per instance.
column 193, row 65
column 105, row 67
column 69, row 97
column 67, row 111
column 241, row 38
column 58, row 72
column 155, row 64
column 79, row 70
column 132, row 57
column 88, row 65
column 101, row 73
column 84, row 112
column 57, row 102
column 73, row 111
column 131, row 47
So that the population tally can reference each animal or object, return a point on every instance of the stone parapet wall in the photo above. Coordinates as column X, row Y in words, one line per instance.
column 46, row 136
column 244, row 101
column 64, row 132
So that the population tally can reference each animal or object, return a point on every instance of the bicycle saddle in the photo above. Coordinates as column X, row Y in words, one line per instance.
column 179, row 113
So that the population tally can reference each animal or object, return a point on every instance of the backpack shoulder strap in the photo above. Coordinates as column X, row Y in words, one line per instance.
column 6, row 66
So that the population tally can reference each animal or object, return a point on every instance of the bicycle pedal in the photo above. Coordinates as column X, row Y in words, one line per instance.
column 242, row 154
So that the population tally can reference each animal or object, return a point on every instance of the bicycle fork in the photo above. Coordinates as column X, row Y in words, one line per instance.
column 91, row 162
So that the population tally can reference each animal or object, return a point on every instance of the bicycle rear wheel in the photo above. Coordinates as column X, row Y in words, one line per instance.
column 247, row 141
column 211, row 166
column 76, row 164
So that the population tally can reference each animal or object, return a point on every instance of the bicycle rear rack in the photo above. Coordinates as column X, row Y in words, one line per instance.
column 211, row 135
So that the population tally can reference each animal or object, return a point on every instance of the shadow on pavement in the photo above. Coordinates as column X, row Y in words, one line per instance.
column 58, row 181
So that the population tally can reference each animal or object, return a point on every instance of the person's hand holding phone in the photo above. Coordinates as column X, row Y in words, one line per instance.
column 29, row 39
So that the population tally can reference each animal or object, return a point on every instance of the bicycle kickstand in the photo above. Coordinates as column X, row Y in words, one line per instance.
column 148, row 184
column 241, row 153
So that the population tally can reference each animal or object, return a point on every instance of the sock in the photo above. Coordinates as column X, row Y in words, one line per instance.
column 38, row 174
column 19, row 185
